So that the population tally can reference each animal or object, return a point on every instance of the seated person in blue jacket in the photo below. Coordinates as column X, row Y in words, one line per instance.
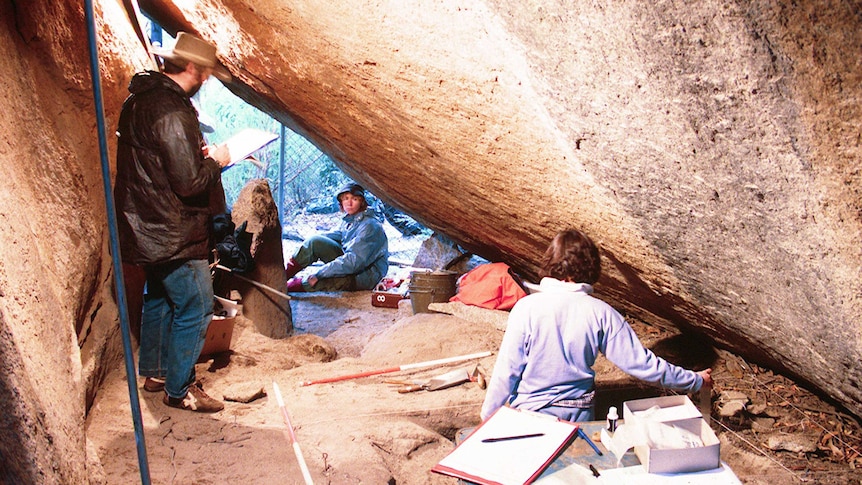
column 553, row 337
column 356, row 256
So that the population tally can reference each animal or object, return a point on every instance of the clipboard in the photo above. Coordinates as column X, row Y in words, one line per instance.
column 247, row 141
column 510, row 447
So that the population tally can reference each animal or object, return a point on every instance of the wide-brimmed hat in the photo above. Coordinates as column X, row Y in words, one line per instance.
column 189, row 48
column 350, row 188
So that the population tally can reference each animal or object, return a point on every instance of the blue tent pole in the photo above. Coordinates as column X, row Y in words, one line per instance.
column 115, row 245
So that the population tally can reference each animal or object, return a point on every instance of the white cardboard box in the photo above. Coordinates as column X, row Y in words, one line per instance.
column 220, row 331
column 671, row 408
column 680, row 412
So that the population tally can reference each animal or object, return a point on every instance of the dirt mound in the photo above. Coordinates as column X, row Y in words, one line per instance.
column 364, row 431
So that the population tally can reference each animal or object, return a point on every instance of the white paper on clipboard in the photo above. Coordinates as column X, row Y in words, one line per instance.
column 246, row 142
column 508, row 461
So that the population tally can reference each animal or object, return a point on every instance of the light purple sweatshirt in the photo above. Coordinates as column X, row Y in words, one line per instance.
column 551, row 342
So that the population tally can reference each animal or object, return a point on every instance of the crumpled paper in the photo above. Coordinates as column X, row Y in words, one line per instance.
column 655, row 435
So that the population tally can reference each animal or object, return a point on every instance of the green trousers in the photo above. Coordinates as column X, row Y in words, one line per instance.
column 322, row 248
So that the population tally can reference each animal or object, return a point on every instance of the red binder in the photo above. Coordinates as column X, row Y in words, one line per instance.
column 510, row 447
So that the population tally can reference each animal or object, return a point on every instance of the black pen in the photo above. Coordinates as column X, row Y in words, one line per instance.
column 595, row 472
column 507, row 438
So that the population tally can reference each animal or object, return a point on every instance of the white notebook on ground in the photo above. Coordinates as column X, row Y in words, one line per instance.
column 510, row 447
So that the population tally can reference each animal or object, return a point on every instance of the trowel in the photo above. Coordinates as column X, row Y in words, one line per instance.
column 443, row 381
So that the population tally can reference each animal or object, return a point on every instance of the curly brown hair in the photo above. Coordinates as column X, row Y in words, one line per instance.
column 572, row 256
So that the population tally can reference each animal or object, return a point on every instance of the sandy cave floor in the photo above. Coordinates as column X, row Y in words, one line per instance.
column 364, row 431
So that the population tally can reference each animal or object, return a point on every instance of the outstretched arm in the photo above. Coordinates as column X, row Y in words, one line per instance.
column 623, row 348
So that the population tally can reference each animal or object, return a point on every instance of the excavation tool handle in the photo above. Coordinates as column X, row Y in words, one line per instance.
column 255, row 283
column 399, row 368
column 411, row 388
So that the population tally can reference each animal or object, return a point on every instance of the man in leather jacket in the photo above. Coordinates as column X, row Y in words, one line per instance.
column 168, row 186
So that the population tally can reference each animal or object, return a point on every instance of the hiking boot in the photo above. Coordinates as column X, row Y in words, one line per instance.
column 154, row 384
column 196, row 400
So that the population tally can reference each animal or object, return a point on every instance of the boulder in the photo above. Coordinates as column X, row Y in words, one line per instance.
column 711, row 150
column 270, row 312
column 58, row 316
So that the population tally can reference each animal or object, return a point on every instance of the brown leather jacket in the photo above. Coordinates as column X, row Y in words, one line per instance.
column 164, row 186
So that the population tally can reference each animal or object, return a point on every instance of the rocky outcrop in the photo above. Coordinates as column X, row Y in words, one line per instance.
column 58, row 315
column 270, row 312
column 711, row 149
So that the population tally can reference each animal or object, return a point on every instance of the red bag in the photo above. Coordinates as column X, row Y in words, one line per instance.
column 491, row 286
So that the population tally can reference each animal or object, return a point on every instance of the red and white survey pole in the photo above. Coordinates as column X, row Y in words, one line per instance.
column 417, row 365
column 296, row 450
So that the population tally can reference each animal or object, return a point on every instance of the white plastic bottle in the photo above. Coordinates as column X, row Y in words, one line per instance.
column 612, row 419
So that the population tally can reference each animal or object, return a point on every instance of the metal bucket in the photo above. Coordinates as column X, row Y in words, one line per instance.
column 428, row 287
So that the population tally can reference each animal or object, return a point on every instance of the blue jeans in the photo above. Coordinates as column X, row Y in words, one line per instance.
column 569, row 414
column 178, row 308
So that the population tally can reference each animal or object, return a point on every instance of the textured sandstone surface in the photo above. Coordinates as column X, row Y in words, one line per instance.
column 711, row 149
column 270, row 312
column 58, row 316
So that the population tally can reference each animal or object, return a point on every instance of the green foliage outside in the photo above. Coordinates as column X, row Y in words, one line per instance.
column 309, row 174
column 310, row 178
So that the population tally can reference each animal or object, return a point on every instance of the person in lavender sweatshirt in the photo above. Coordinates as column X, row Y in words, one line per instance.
column 553, row 337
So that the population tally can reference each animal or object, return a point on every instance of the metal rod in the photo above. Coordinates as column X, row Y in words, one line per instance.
column 115, row 247
column 255, row 283
column 281, row 164
column 399, row 368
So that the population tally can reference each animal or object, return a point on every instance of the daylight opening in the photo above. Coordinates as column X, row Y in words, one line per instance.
column 303, row 179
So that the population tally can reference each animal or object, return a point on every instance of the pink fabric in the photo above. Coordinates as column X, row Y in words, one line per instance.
column 489, row 286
